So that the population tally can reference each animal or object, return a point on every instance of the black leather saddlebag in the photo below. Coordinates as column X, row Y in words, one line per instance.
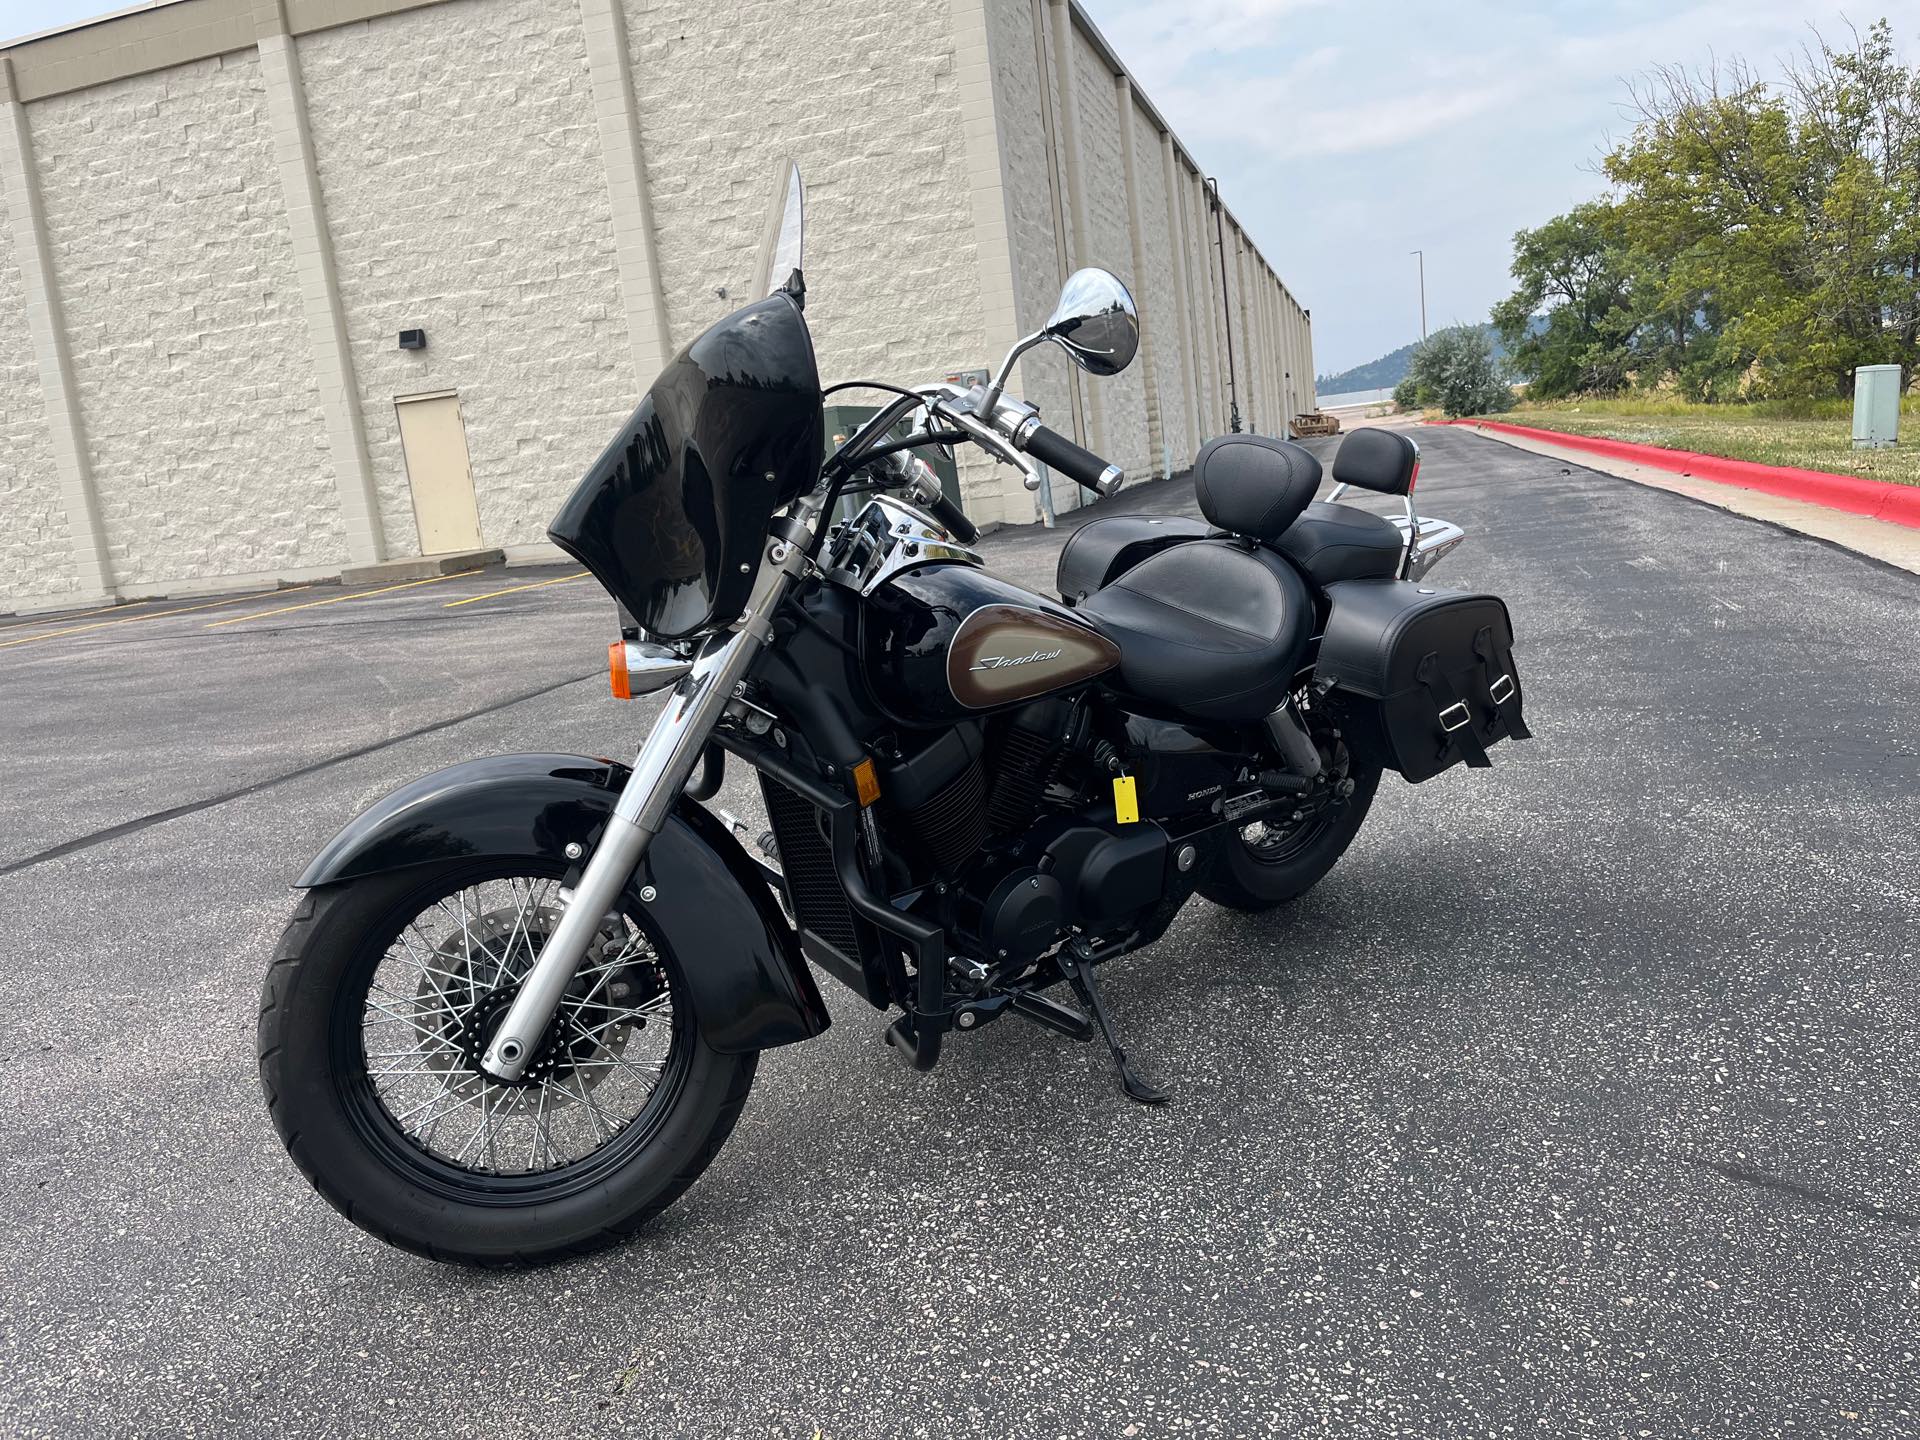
column 1100, row 551
column 1424, row 678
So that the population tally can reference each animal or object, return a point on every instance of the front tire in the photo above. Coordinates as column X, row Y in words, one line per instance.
column 374, row 1012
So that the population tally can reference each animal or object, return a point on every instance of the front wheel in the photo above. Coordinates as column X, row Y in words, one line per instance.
column 381, row 999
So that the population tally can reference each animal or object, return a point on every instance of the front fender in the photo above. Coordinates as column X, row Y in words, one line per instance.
column 748, row 985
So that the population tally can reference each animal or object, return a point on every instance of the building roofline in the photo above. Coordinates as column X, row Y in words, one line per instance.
column 9, row 42
column 155, row 35
column 1104, row 48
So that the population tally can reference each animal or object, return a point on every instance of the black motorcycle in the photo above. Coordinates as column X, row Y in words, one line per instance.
column 520, row 1003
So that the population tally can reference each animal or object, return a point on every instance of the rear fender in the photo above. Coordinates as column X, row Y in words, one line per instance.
column 748, row 985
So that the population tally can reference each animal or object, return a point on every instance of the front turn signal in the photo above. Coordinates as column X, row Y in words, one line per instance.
column 617, row 670
column 866, row 783
column 638, row 667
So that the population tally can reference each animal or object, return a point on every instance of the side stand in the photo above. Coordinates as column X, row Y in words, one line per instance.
column 1080, row 976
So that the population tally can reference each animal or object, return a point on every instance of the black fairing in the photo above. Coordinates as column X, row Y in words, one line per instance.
column 748, row 985
column 678, row 504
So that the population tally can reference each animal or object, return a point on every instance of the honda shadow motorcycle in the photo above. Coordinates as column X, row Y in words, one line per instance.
column 520, row 1003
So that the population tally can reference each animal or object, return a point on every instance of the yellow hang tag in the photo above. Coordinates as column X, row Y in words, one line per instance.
column 1126, row 801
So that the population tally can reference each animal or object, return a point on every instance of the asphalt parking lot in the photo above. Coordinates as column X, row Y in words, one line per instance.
column 1582, row 1099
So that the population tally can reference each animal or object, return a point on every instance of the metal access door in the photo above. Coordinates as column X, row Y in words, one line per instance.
column 435, row 442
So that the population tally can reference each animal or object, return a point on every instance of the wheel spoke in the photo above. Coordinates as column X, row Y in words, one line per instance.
column 445, row 977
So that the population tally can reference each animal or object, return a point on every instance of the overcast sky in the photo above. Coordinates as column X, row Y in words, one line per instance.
column 1346, row 135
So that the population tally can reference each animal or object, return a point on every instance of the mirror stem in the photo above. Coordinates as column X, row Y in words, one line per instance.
column 997, row 386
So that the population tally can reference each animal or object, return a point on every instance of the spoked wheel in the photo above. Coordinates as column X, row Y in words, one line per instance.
column 1284, row 854
column 374, row 1018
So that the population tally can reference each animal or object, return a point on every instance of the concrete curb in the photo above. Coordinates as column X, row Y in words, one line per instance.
column 1876, row 499
column 1878, row 540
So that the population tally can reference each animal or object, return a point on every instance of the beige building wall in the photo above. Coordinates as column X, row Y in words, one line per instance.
column 1185, row 354
column 1025, row 94
column 863, row 96
column 237, row 205
column 460, row 166
column 175, row 272
column 36, row 550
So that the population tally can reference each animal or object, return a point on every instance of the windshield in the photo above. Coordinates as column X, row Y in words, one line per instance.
column 782, row 240
column 673, row 515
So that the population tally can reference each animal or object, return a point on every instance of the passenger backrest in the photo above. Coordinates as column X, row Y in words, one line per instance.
column 1385, row 461
column 1253, row 485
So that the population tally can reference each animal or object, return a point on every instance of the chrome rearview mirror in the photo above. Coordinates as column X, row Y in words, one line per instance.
column 1095, row 322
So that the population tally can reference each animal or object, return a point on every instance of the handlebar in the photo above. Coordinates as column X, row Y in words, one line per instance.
column 952, row 519
column 1007, row 429
column 1052, row 448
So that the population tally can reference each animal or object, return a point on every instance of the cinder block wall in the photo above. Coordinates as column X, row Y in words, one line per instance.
column 190, row 356
column 1152, row 224
column 36, row 552
column 220, row 213
column 459, row 161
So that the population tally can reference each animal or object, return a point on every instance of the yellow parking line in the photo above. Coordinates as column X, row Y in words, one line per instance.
column 73, row 615
column 133, row 619
column 514, row 590
column 337, row 599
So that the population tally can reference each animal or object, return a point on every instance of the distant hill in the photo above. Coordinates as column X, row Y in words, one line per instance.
column 1382, row 374
column 1390, row 369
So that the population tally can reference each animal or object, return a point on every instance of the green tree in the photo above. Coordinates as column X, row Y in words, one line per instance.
column 1577, row 269
column 1790, row 212
column 1454, row 369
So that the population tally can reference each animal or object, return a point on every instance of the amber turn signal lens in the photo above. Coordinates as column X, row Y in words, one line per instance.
column 866, row 784
column 617, row 670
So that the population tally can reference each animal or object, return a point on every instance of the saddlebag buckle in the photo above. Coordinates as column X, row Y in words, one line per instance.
column 1501, row 690
column 1450, row 724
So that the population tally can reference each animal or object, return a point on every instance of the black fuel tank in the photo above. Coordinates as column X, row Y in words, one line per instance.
column 946, row 641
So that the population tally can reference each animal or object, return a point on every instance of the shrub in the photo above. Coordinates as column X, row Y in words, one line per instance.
column 1454, row 369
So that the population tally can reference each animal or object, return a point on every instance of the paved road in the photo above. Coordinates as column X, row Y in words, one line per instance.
column 1582, row 1099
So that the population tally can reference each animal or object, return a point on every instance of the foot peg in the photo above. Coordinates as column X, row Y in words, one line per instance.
column 1052, row 1015
column 1137, row 1086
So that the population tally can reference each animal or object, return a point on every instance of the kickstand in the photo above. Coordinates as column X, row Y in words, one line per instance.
column 1137, row 1086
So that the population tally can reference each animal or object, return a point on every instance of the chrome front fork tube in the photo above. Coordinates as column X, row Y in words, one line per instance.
column 660, row 772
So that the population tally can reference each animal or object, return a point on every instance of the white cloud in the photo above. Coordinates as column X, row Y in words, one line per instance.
column 1161, row 41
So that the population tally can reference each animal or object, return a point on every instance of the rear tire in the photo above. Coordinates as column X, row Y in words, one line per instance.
column 1253, row 877
column 331, row 986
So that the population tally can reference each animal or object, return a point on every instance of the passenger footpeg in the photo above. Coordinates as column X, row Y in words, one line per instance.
column 1080, row 976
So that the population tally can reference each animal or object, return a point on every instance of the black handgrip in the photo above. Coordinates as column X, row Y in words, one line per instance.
column 1052, row 448
column 952, row 519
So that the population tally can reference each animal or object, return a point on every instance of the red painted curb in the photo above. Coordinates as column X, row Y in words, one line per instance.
column 1877, row 499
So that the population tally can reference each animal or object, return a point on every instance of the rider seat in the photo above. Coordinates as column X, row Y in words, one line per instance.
column 1216, row 629
column 1212, row 630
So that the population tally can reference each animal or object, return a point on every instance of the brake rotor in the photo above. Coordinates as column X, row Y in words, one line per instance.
column 477, row 970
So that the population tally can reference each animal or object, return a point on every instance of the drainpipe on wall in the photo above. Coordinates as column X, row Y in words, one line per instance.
column 1226, row 303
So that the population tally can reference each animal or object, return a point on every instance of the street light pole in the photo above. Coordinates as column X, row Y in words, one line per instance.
column 1423, row 293
column 1226, row 303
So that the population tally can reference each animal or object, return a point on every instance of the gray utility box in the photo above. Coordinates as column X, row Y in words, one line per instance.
column 1876, row 406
